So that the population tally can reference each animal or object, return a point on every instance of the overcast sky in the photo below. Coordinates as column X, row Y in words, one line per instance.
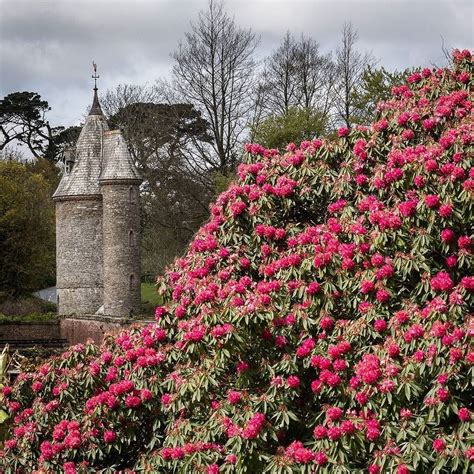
column 47, row 46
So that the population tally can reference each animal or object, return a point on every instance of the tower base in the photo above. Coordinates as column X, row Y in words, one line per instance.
column 78, row 329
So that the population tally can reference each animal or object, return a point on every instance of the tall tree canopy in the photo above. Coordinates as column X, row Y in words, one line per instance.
column 374, row 87
column 23, row 119
column 27, row 229
column 177, row 188
column 296, row 125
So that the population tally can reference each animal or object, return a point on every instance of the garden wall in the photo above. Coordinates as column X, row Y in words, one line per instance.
column 26, row 330
column 78, row 330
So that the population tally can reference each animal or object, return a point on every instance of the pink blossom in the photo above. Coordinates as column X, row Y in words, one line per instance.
column 441, row 282
column 464, row 414
column 110, row 436
column 334, row 413
column 254, row 426
column 439, row 445
column 382, row 295
column 374, row 469
column 445, row 210
column 402, row 469
column 320, row 432
column 334, row 433
column 320, row 458
column 447, row 235
column 132, row 401
column 293, row 381
column 464, row 242
column 380, row 325
column 234, row 397
column 368, row 369
column 432, row 201
column 166, row 399
column 366, row 286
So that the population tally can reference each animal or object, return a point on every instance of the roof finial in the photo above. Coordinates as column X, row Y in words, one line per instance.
column 95, row 109
column 95, row 76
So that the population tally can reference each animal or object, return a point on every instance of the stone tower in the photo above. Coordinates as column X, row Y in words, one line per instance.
column 98, row 228
column 79, row 276
column 119, row 186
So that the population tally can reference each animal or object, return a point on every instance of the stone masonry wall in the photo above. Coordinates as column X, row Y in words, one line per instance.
column 77, row 330
column 79, row 256
column 25, row 330
column 121, row 233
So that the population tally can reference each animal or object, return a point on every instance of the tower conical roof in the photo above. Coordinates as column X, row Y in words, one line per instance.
column 83, row 180
column 95, row 109
column 117, row 162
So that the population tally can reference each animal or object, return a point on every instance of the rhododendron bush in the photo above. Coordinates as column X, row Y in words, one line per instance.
column 318, row 323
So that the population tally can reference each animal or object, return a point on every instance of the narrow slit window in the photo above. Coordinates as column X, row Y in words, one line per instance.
column 131, row 194
column 132, row 282
column 131, row 239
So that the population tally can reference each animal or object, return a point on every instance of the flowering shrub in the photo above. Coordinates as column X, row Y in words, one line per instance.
column 317, row 323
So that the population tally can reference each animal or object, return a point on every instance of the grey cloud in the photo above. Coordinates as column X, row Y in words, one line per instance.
column 48, row 45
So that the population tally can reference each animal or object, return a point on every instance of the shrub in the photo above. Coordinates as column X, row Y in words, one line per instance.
column 25, row 306
column 295, row 125
column 318, row 321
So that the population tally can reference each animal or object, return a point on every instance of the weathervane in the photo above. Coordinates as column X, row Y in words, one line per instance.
column 95, row 76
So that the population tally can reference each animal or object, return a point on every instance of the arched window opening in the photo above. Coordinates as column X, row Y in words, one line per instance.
column 132, row 282
column 131, row 239
column 131, row 194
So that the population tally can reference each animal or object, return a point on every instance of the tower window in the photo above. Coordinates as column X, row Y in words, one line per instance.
column 131, row 194
column 131, row 239
column 132, row 282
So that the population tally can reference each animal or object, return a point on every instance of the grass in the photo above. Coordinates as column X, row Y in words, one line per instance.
column 27, row 309
column 32, row 309
column 30, row 318
column 149, row 294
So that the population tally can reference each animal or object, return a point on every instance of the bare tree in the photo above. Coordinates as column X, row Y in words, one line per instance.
column 281, row 76
column 297, row 75
column 126, row 94
column 316, row 76
column 214, row 70
column 259, row 111
column 350, row 67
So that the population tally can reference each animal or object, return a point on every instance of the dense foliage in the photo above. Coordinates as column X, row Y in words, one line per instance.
column 297, row 124
column 318, row 321
column 27, row 235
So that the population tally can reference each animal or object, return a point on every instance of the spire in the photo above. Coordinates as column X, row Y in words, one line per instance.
column 117, row 164
column 83, row 179
column 95, row 109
